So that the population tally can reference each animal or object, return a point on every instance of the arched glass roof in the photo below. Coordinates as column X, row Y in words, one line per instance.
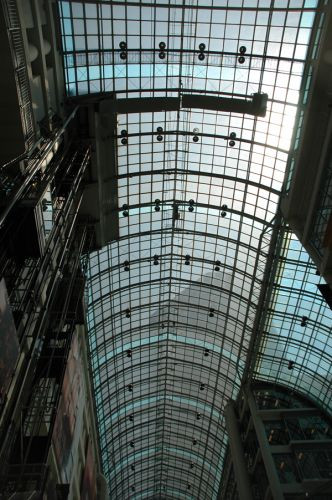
column 297, row 327
column 173, row 302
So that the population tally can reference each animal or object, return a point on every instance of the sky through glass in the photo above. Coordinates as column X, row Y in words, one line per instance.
column 173, row 301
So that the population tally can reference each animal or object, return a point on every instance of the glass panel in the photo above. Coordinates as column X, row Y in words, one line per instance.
column 276, row 432
column 172, row 303
column 286, row 468
column 296, row 346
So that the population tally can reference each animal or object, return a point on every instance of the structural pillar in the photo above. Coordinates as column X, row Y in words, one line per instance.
column 103, row 493
column 264, row 446
column 243, row 483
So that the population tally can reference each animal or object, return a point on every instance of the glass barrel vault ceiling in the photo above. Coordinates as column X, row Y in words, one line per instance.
column 288, row 337
column 172, row 303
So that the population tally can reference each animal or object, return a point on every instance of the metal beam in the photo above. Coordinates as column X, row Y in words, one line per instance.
column 256, row 106
column 144, row 105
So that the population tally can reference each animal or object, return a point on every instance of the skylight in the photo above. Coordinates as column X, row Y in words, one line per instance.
column 173, row 301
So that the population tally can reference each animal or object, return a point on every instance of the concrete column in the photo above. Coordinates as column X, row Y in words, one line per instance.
column 239, row 466
column 103, row 493
column 264, row 446
column 33, row 52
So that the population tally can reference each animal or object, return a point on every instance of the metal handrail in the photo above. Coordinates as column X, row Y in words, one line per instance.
column 33, row 168
column 56, row 250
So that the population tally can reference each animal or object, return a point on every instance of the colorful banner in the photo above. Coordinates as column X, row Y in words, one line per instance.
column 69, row 417
column 88, row 487
column 9, row 346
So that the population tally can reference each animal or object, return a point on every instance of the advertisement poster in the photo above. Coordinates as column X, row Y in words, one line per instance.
column 88, row 488
column 9, row 346
column 70, row 413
